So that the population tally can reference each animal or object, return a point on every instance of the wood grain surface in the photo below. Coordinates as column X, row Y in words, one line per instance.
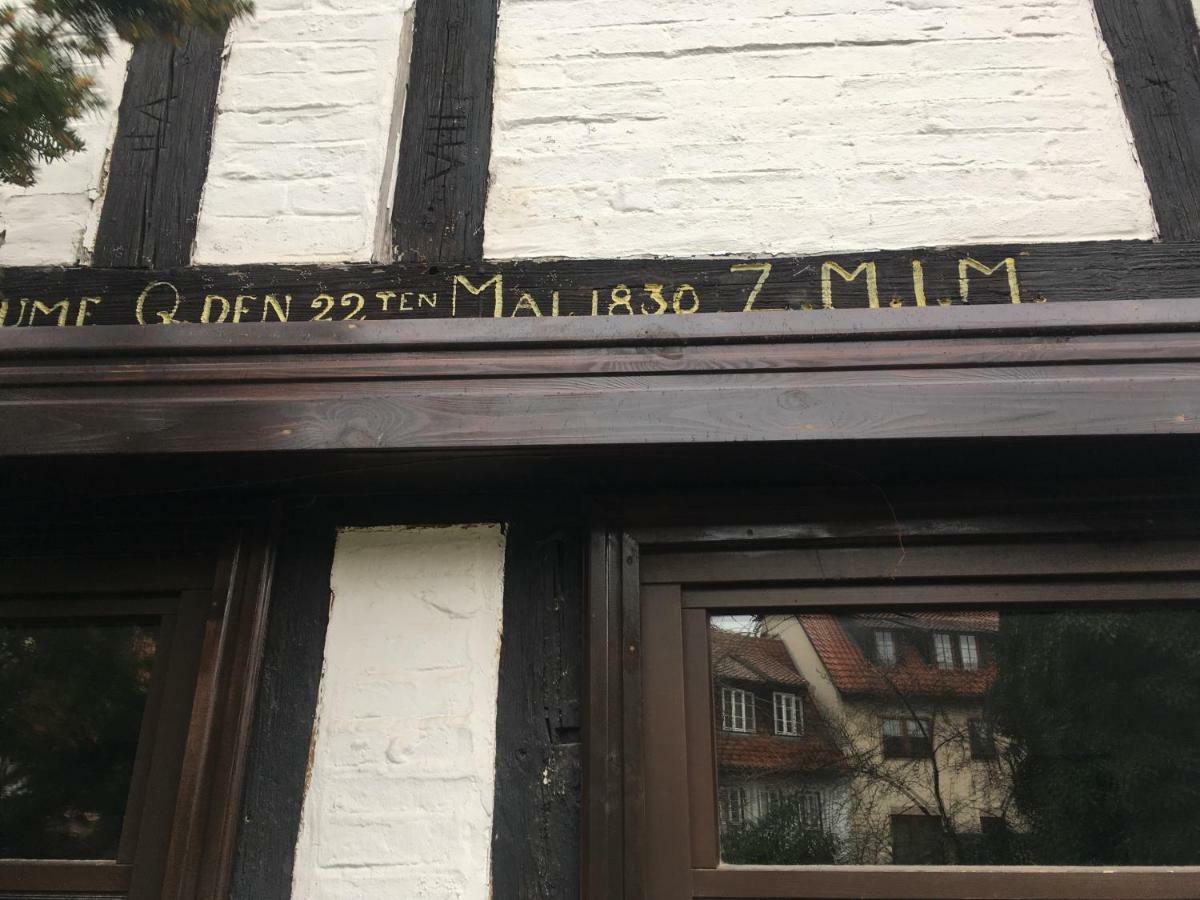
column 159, row 159
column 941, row 279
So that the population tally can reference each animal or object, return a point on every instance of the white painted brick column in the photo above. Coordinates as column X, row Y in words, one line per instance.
column 304, row 144
column 399, row 802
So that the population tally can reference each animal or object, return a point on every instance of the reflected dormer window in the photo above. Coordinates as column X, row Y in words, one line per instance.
column 969, row 650
column 885, row 648
column 789, row 719
column 737, row 710
column 943, row 651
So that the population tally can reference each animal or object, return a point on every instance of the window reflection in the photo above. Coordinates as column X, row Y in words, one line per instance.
column 1059, row 736
column 72, row 696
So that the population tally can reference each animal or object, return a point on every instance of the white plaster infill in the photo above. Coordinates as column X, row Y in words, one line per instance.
column 399, row 802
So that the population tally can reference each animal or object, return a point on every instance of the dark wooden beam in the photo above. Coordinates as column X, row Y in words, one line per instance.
column 650, row 290
column 732, row 386
column 536, row 825
column 908, row 338
column 1156, row 52
column 277, row 766
column 160, row 156
column 445, row 145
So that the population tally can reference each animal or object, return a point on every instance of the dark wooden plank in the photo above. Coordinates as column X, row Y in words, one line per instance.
column 1127, row 317
column 666, row 846
column 536, row 836
column 982, row 594
column 21, row 878
column 632, row 731
column 445, row 146
column 701, row 755
column 1156, row 53
column 1046, row 401
column 603, row 860
column 160, row 156
column 472, row 363
column 881, row 883
column 210, row 782
column 277, row 764
column 923, row 561
column 650, row 291
column 247, row 626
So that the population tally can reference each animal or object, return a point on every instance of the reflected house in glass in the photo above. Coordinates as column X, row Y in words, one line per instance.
column 776, row 756
column 904, row 696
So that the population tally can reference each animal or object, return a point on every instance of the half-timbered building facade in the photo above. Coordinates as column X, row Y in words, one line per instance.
column 499, row 448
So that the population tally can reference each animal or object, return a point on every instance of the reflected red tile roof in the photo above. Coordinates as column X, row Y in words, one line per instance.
column 852, row 673
column 985, row 620
column 737, row 656
column 769, row 753
column 748, row 657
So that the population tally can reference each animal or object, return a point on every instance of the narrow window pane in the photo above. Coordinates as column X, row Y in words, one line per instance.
column 885, row 648
column 72, row 696
column 787, row 714
column 969, row 651
column 943, row 651
column 1033, row 736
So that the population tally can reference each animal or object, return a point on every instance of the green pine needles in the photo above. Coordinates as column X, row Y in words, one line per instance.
column 45, row 46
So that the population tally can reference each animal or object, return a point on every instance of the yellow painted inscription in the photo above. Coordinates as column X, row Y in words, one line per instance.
column 748, row 287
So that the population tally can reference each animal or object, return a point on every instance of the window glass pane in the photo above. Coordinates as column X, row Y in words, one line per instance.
column 885, row 648
column 970, row 651
column 72, row 696
column 942, row 651
column 1056, row 736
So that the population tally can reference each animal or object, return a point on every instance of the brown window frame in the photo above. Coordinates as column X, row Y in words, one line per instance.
column 650, row 754
column 210, row 598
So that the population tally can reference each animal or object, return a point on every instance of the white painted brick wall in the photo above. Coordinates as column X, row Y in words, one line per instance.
column 54, row 222
column 695, row 127
column 308, row 115
column 399, row 802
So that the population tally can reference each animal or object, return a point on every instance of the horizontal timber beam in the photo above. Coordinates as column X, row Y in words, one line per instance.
column 507, row 337
column 652, row 289
column 613, row 411
column 1005, row 377
column 1104, row 341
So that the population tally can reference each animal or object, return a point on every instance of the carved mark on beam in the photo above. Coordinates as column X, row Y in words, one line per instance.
column 160, row 157
column 1156, row 52
column 445, row 146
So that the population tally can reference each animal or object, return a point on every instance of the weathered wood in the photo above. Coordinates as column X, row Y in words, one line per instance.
column 536, row 825
column 1036, row 401
column 472, row 363
column 1156, row 52
column 277, row 766
column 862, row 883
column 651, row 290
column 445, row 146
column 160, row 156
column 972, row 335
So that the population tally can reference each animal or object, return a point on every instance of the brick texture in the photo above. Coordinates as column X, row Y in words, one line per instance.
column 697, row 127
column 399, row 802
column 53, row 222
column 303, row 147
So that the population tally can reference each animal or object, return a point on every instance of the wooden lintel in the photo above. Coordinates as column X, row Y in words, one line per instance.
column 651, row 291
